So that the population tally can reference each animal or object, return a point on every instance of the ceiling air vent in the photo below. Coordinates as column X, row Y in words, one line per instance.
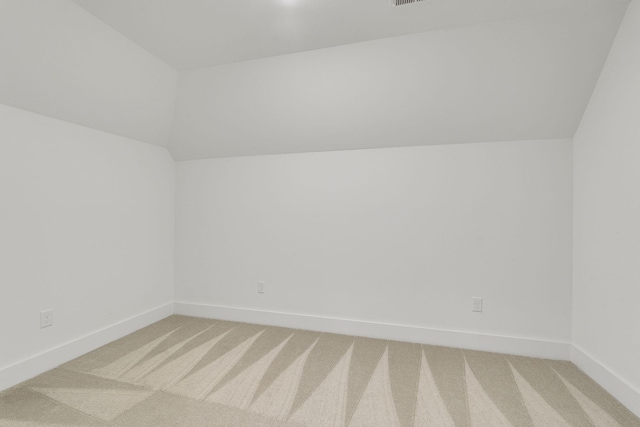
column 403, row 2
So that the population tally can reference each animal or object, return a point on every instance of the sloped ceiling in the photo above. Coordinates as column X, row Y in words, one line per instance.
column 198, row 33
column 522, row 79
column 59, row 60
column 282, row 76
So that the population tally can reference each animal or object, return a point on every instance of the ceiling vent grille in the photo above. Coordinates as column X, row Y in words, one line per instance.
column 403, row 2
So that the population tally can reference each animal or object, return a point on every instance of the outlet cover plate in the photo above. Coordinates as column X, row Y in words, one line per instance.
column 46, row 318
column 477, row 304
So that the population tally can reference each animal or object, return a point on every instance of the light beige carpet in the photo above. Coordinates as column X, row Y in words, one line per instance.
column 186, row 371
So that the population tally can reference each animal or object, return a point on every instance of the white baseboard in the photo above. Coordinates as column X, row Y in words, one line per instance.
column 620, row 389
column 466, row 340
column 35, row 365
column 603, row 375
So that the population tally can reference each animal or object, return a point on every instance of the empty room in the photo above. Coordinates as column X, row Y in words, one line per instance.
column 320, row 213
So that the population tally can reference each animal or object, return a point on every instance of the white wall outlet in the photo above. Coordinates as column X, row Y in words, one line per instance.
column 261, row 286
column 477, row 304
column 46, row 318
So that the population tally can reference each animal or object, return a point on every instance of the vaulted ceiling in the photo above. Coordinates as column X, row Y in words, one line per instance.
column 199, row 33
column 280, row 76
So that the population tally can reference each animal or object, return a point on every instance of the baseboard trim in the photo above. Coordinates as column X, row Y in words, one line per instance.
column 605, row 376
column 35, row 365
column 447, row 338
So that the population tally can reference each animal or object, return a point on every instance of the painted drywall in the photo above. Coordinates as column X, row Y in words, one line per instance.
column 59, row 60
column 86, row 229
column 606, row 290
column 511, row 80
column 403, row 236
column 201, row 33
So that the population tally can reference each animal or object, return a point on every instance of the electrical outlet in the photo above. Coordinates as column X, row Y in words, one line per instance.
column 46, row 318
column 477, row 304
column 261, row 286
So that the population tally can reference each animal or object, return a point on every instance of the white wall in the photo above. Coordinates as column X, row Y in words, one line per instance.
column 401, row 236
column 59, row 60
column 503, row 81
column 606, row 292
column 86, row 228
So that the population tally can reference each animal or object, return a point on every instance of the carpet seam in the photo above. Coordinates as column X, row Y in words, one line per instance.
column 72, row 409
